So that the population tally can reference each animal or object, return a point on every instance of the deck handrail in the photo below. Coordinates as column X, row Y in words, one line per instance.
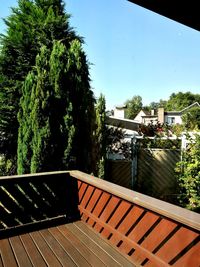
column 182, row 215
column 171, row 211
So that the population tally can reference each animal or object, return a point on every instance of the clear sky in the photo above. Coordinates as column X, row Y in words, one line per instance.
column 132, row 51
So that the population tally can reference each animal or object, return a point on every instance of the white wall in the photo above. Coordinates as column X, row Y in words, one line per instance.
column 177, row 119
column 119, row 113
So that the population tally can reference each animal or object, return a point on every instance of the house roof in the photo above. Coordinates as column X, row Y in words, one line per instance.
column 185, row 12
column 183, row 110
column 192, row 105
column 123, row 123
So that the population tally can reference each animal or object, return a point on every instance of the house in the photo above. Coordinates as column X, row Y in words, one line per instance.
column 146, row 117
column 162, row 116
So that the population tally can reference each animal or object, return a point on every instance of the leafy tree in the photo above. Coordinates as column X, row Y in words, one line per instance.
column 191, row 119
column 30, row 26
column 115, row 142
column 181, row 100
column 156, row 105
column 188, row 174
column 46, row 125
column 83, row 112
column 134, row 105
column 100, row 136
column 49, row 128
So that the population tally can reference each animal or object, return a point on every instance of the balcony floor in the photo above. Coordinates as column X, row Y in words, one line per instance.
column 74, row 244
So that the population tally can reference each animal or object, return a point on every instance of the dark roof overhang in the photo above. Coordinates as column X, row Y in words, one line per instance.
column 185, row 12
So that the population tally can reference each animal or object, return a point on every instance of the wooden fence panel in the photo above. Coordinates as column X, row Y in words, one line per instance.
column 155, row 173
column 119, row 172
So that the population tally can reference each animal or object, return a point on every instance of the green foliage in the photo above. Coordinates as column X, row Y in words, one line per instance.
column 191, row 119
column 56, row 110
column 177, row 129
column 157, row 132
column 181, row 100
column 25, row 128
column 83, row 112
column 160, row 143
column 6, row 166
column 134, row 105
column 156, row 105
column 188, row 174
column 53, row 126
column 100, row 136
column 30, row 26
column 46, row 125
column 115, row 142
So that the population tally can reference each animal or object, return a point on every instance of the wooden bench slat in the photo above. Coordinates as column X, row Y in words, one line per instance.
column 119, row 214
column 1, row 262
column 130, row 243
column 191, row 258
column 114, row 255
column 67, row 245
column 82, row 191
column 63, row 251
column 155, row 238
column 96, row 247
column 45, row 250
column 176, row 244
column 20, row 252
column 87, row 196
column 94, row 199
column 8, row 258
column 32, row 251
column 77, row 244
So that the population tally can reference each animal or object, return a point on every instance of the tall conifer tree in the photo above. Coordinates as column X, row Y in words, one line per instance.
column 59, row 82
column 100, row 136
column 31, row 25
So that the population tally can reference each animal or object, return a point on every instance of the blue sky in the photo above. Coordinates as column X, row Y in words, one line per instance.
column 133, row 51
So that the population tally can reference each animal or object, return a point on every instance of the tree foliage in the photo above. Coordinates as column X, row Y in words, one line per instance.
column 43, row 64
column 46, row 125
column 191, row 119
column 188, row 174
column 134, row 105
column 180, row 100
column 31, row 25
column 100, row 136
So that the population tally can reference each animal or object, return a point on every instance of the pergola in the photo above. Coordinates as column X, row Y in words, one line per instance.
column 185, row 12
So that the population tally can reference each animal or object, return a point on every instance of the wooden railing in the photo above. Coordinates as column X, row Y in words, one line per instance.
column 148, row 231
column 31, row 200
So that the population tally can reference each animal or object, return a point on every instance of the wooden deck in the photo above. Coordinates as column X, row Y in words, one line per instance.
column 73, row 244
column 75, row 219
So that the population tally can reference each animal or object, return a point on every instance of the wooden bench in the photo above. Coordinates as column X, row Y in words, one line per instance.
column 146, row 231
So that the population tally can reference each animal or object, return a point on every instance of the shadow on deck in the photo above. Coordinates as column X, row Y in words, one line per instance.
column 74, row 219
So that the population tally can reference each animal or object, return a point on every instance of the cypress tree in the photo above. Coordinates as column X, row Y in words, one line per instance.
column 83, row 107
column 54, row 119
column 100, row 136
column 59, row 82
column 30, row 26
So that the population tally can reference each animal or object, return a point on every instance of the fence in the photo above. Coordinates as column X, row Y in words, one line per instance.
column 151, row 172
column 155, row 173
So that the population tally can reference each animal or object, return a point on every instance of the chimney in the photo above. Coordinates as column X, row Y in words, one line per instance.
column 161, row 115
column 119, row 112
column 152, row 112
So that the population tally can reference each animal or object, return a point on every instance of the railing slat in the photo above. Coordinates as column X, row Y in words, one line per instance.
column 143, row 231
